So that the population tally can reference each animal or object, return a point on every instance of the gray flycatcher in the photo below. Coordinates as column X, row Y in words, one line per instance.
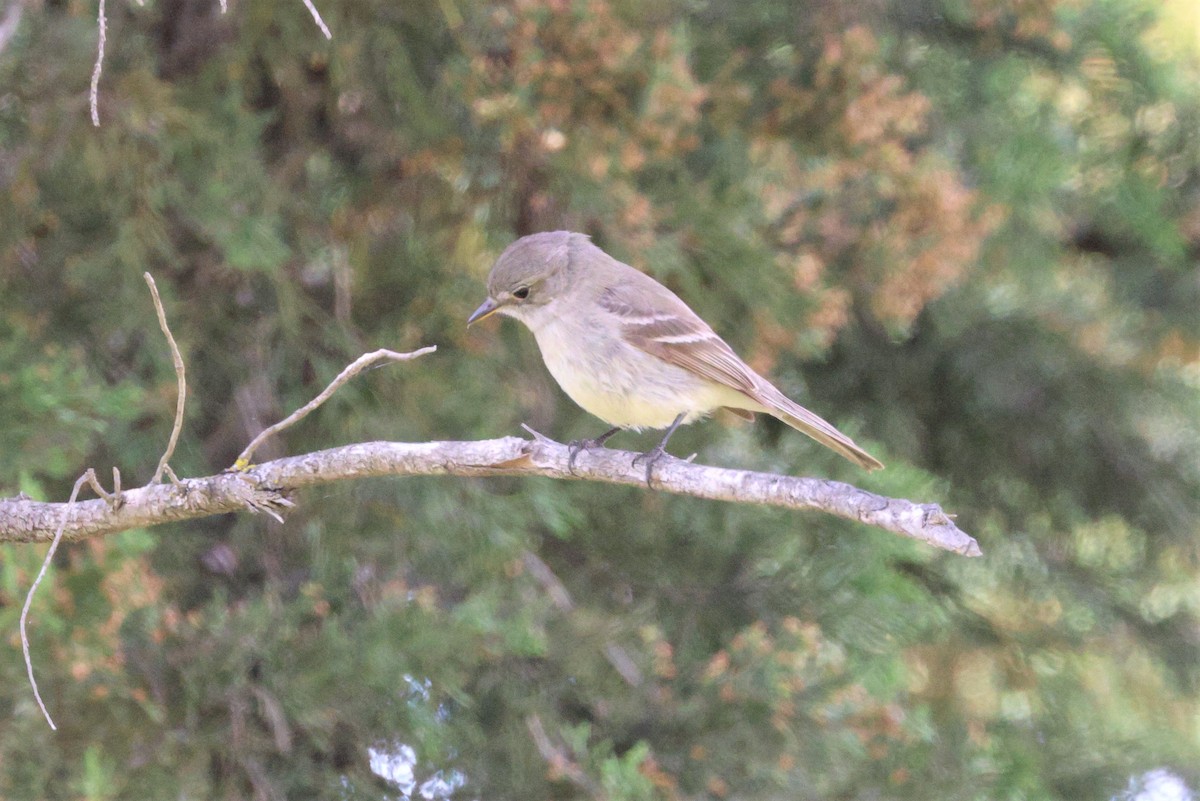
column 628, row 350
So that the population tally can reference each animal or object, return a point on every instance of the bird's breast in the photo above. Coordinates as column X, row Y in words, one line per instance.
column 615, row 381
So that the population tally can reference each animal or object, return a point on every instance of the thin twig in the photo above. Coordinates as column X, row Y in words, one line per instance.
column 89, row 476
column 353, row 369
column 316, row 15
column 180, row 380
column 94, row 95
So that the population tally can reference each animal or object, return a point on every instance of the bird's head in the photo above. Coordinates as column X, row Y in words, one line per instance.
column 529, row 274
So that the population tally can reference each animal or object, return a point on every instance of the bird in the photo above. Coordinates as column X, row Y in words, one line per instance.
column 628, row 350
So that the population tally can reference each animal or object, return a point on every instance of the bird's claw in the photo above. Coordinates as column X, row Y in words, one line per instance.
column 573, row 449
column 577, row 445
column 651, row 458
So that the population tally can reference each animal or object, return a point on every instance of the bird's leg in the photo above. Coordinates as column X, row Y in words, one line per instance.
column 652, row 456
column 577, row 445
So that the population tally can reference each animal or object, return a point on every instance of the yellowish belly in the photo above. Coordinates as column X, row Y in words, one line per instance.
column 625, row 386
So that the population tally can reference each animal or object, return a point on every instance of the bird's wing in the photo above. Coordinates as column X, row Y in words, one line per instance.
column 656, row 321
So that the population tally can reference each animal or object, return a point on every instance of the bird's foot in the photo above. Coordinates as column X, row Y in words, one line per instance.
column 577, row 445
column 651, row 458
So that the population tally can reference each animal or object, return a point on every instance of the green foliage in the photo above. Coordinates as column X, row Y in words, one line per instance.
column 966, row 232
column 55, row 408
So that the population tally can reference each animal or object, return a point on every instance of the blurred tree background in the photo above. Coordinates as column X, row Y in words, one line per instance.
column 967, row 231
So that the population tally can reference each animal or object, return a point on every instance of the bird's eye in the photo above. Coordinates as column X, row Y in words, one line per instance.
column 520, row 293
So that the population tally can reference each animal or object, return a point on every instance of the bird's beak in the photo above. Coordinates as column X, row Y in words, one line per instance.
column 486, row 309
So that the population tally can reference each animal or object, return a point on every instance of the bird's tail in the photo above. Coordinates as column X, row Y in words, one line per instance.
column 804, row 421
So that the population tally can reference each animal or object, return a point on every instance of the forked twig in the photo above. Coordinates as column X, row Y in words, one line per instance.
column 351, row 370
column 112, row 498
column 88, row 477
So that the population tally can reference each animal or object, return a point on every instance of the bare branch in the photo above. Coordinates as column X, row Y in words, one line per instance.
column 8, row 27
column 69, row 507
column 94, row 94
column 316, row 15
column 113, row 499
column 265, row 487
column 180, row 380
column 353, row 369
